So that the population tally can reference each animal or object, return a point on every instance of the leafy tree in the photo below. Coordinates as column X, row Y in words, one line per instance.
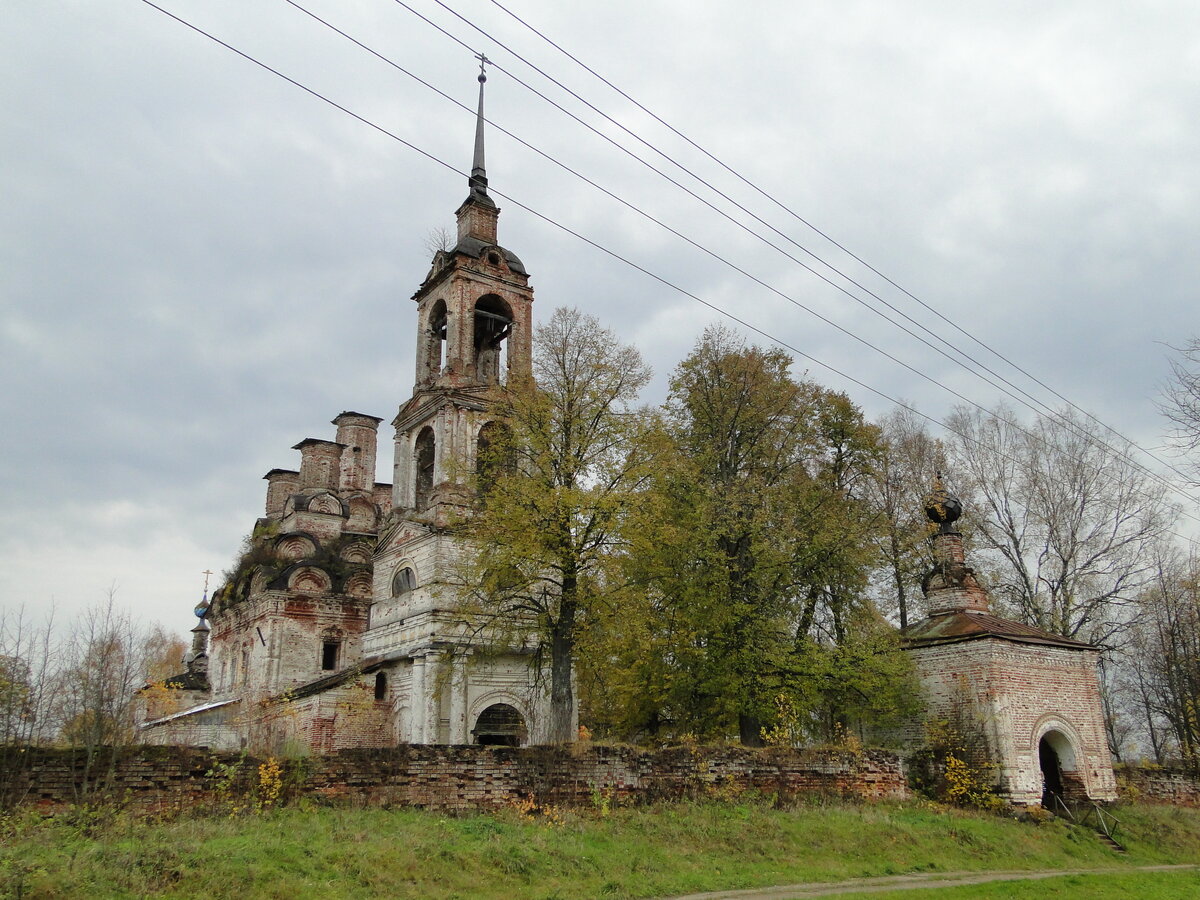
column 750, row 550
column 1166, row 666
column 16, row 695
column 558, row 478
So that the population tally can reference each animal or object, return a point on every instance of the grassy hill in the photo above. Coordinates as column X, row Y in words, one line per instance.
column 661, row 850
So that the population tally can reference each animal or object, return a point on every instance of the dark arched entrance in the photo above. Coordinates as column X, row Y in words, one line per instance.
column 1052, row 783
column 500, row 725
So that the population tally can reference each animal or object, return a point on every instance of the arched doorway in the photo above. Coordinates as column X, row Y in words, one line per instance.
column 500, row 725
column 1051, row 773
column 1060, row 778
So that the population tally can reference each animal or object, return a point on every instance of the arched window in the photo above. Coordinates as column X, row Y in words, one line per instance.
column 403, row 582
column 493, row 455
column 425, row 455
column 329, row 654
column 493, row 325
column 380, row 685
column 436, row 338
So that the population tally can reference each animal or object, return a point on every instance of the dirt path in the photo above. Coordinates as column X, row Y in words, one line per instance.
column 890, row 883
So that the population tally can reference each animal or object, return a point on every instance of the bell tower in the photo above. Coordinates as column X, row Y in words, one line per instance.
column 474, row 313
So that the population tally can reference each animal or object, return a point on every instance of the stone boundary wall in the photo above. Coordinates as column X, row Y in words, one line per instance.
column 445, row 777
column 1159, row 784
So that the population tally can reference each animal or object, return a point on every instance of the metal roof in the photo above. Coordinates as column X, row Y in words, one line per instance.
column 963, row 625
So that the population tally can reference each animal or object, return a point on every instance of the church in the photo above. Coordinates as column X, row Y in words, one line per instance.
column 337, row 626
column 1029, row 700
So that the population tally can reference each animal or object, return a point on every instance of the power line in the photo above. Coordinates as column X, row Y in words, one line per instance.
column 634, row 208
column 555, row 223
column 966, row 362
column 787, row 209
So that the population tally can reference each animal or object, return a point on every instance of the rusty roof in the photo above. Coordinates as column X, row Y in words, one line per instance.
column 962, row 625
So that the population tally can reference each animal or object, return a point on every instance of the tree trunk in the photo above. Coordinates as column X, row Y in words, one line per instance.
column 562, row 655
column 750, row 730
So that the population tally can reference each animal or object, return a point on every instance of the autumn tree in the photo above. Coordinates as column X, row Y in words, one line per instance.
column 557, row 477
column 102, row 665
column 1165, row 669
column 750, row 551
column 28, row 658
column 1071, row 523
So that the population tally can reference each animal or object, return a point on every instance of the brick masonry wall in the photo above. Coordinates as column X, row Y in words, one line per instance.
column 1156, row 784
column 451, row 777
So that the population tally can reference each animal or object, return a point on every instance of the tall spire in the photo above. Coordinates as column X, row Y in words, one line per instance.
column 478, row 179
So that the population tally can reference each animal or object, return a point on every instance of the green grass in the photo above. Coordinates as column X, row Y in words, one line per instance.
column 1115, row 886
column 645, row 852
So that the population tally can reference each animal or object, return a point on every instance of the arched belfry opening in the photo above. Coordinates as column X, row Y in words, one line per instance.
column 435, row 337
column 500, row 725
column 493, row 325
column 425, row 455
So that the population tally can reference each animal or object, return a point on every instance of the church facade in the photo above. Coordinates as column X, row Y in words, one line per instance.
column 339, row 625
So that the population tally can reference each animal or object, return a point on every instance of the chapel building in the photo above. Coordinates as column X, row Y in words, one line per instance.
column 339, row 625
column 1032, row 698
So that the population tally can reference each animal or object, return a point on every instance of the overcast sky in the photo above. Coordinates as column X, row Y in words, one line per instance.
column 201, row 264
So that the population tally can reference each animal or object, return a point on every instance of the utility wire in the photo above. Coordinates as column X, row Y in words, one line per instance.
column 562, row 227
column 770, row 197
column 968, row 364
column 702, row 248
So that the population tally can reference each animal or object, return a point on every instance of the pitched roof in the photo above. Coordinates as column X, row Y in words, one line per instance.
column 965, row 625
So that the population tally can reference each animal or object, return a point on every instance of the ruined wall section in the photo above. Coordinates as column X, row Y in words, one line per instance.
column 296, row 603
column 461, row 778
column 277, row 641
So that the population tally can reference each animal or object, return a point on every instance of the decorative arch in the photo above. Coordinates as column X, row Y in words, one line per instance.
column 356, row 552
column 295, row 547
column 309, row 580
column 493, row 323
column 1058, row 751
column 363, row 514
column 359, row 585
column 425, row 458
column 505, row 698
column 1064, row 738
column 500, row 724
column 326, row 503
column 259, row 579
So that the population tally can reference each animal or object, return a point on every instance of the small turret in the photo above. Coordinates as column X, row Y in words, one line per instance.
column 950, row 586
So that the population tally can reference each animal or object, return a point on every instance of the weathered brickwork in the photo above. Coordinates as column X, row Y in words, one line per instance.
column 336, row 628
column 1159, row 784
column 1026, row 699
column 1017, row 694
column 459, row 777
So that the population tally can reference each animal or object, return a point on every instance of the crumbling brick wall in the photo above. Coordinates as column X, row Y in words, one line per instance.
column 460, row 777
column 1160, row 784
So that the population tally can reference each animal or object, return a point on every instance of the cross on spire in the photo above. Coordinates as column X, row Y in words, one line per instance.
column 478, row 179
